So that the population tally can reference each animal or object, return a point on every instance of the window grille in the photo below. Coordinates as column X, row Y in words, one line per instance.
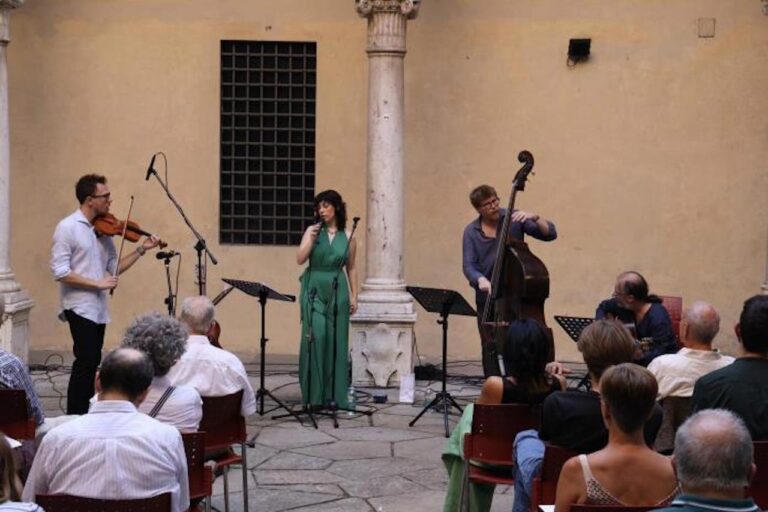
column 267, row 141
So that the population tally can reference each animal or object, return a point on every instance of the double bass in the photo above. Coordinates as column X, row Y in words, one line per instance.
column 520, row 280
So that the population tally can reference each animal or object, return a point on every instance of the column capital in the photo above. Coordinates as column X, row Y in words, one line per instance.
column 11, row 4
column 367, row 8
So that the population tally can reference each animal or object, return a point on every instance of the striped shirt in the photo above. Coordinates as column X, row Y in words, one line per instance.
column 113, row 452
column 14, row 375
column 76, row 248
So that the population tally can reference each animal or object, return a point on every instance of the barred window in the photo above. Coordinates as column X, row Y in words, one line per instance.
column 267, row 141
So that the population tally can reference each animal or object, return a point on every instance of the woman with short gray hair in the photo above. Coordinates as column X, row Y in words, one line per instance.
column 164, row 340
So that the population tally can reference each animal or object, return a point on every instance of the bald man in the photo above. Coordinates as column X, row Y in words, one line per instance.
column 678, row 373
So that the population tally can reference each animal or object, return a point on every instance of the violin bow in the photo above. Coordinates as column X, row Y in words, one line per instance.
column 122, row 243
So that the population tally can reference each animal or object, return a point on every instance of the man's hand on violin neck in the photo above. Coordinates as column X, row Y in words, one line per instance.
column 106, row 283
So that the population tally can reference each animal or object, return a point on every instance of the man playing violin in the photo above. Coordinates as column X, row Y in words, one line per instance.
column 479, row 246
column 84, row 264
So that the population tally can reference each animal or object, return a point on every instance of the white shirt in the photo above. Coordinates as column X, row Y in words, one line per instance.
column 17, row 506
column 183, row 409
column 112, row 452
column 678, row 373
column 213, row 372
column 76, row 248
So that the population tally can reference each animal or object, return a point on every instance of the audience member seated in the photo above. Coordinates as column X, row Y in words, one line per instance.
column 114, row 451
column 628, row 395
column 15, row 375
column 525, row 357
column 742, row 386
column 163, row 339
column 677, row 373
column 631, row 304
column 210, row 370
column 713, row 462
column 572, row 419
column 10, row 485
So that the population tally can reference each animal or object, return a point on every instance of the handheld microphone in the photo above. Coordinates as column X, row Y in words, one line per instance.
column 319, row 225
column 166, row 254
column 150, row 169
column 355, row 220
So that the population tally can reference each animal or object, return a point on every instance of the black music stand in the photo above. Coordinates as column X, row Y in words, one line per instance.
column 573, row 325
column 263, row 292
column 443, row 302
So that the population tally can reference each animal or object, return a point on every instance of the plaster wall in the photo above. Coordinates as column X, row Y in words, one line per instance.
column 650, row 156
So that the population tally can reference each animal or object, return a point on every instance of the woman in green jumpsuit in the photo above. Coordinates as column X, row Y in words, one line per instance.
column 324, row 245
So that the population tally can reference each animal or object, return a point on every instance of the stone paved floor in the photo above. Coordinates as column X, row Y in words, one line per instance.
column 375, row 463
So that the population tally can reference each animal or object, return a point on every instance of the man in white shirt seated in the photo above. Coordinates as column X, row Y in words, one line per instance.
column 114, row 451
column 210, row 370
column 678, row 373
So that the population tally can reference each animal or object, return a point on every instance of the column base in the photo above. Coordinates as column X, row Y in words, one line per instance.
column 14, row 330
column 382, row 338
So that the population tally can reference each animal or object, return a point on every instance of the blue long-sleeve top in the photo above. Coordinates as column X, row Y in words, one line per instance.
column 655, row 324
column 479, row 251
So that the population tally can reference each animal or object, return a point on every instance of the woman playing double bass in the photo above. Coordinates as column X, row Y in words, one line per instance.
column 479, row 246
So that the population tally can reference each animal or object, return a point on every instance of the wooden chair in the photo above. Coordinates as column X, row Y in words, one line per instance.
column 609, row 508
column 545, row 485
column 200, row 475
column 674, row 306
column 224, row 426
column 15, row 421
column 491, row 441
column 758, row 488
column 66, row 503
column 676, row 410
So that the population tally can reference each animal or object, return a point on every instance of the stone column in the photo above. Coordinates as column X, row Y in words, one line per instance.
column 382, row 329
column 15, row 320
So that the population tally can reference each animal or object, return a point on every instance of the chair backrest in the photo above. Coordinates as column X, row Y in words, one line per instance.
column 545, row 484
column 15, row 421
column 676, row 410
column 609, row 508
column 194, row 447
column 758, row 488
column 674, row 306
column 66, row 503
column 222, row 421
column 494, row 428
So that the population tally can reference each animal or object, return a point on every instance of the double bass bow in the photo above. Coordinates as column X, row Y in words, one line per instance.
column 520, row 280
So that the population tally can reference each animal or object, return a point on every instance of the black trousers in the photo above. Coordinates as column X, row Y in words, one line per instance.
column 488, row 347
column 88, row 339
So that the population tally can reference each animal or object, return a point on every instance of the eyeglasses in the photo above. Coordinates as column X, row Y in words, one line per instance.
column 107, row 196
column 489, row 204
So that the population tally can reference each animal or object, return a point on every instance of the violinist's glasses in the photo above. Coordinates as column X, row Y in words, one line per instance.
column 107, row 196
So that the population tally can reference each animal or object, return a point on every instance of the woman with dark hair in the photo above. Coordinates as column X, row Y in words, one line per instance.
column 525, row 357
column 628, row 395
column 10, row 485
column 529, row 382
column 324, row 245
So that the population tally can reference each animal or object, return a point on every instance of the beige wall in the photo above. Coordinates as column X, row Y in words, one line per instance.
column 650, row 156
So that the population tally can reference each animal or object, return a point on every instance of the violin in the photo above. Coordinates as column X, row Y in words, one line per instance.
column 109, row 225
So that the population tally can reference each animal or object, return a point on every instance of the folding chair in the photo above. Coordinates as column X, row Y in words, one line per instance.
column 545, row 485
column 224, row 426
column 66, row 503
column 200, row 475
column 758, row 488
column 491, row 442
column 15, row 421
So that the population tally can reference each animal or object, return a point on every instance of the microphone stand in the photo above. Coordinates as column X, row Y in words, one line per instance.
column 170, row 300
column 333, row 407
column 200, row 246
